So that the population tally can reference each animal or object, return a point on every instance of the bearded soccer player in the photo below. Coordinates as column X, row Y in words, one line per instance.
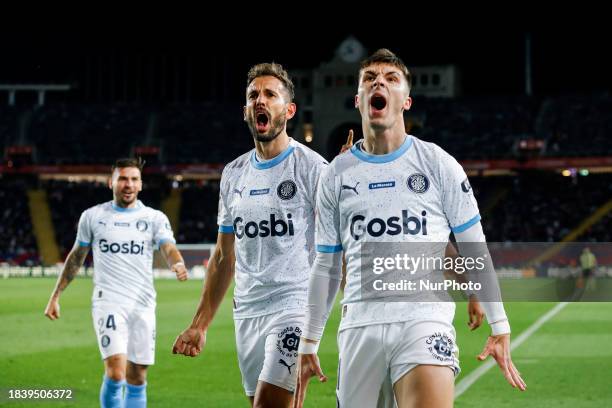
column 392, row 188
column 266, row 239
column 123, row 234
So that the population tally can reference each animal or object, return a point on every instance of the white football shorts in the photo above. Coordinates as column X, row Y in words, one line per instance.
column 126, row 330
column 267, row 349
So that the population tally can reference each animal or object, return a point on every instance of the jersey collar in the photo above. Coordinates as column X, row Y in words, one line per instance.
column 381, row 158
column 267, row 164
column 137, row 207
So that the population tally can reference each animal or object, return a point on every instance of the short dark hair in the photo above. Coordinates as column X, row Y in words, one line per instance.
column 384, row 56
column 137, row 162
column 275, row 70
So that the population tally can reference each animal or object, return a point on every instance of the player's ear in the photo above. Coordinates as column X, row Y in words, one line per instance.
column 244, row 113
column 357, row 101
column 110, row 182
column 407, row 103
column 291, row 109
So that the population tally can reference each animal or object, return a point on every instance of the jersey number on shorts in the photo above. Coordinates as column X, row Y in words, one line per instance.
column 110, row 323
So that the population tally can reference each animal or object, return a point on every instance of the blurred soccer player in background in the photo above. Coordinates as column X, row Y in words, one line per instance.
column 123, row 234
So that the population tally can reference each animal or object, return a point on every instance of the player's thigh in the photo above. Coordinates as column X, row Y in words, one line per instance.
column 272, row 396
column 362, row 366
column 110, row 325
column 424, row 362
column 430, row 386
column 250, row 347
column 142, row 333
column 283, row 331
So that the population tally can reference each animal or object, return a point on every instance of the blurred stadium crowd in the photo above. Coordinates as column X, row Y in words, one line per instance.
column 527, row 205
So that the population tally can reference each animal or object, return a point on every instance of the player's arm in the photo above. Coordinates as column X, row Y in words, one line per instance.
column 174, row 259
column 73, row 263
column 498, row 343
column 475, row 311
column 323, row 285
column 461, row 210
column 218, row 279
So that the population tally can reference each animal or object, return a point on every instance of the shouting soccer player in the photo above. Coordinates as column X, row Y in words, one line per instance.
column 123, row 234
column 266, row 236
column 391, row 188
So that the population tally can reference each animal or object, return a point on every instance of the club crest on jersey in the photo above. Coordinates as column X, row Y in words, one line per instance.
column 142, row 225
column 418, row 183
column 288, row 340
column 286, row 190
column 440, row 345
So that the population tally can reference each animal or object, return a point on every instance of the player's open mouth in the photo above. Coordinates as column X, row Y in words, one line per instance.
column 261, row 122
column 378, row 103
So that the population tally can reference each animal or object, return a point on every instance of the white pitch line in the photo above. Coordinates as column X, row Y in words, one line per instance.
column 472, row 377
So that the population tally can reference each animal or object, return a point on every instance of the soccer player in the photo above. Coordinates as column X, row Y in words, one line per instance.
column 266, row 239
column 391, row 188
column 123, row 234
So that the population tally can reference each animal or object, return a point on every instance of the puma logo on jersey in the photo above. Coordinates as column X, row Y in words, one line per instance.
column 239, row 192
column 283, row 362
column 354, row 189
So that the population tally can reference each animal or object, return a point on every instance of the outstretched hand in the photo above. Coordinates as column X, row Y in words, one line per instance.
column 498, row 347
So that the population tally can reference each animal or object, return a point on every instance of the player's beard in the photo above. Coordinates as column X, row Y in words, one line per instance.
column 277, row 125
column 125, row 203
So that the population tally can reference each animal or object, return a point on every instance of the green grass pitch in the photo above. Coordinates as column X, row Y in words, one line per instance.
column 567, row 363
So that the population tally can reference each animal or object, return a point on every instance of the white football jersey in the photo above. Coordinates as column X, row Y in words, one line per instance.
column 123, row 242
column 269, row 207
column 418, row 193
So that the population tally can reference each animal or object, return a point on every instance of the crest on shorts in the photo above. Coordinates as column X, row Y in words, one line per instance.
column 286, row 190
column 288, row 340
column 105, row 341
column 418, row 183
column 441, row 346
